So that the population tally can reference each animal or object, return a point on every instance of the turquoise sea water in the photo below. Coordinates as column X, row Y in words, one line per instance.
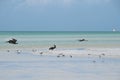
column 63, row 39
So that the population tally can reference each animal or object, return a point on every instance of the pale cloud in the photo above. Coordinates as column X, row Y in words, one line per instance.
column 96, row 1
column 64, row 2
column 37, row 2
column 68, row 2
column 46, row 2
column 59, row 2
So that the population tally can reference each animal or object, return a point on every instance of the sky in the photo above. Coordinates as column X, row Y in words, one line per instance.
column 59, row 15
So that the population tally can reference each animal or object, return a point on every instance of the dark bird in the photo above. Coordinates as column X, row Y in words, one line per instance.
column 8, row 50
column 82, row 40
column 12, row 41
column 89, row 54
column 58, row 56
column 94, row 61
column 70, row 56
column 99, row 56
column 103, row 54
column 52, row 48
column 61, row 55
column 41, row 53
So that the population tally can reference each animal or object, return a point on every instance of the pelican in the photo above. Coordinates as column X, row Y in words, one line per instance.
column 52, row 48
column 82, row 40
column 12, row 41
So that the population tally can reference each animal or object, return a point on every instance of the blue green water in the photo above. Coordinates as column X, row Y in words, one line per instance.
column 63, row 39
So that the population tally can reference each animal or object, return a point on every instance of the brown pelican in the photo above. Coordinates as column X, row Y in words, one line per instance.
column 82, row 40
column 52, row 48
column 12, row 41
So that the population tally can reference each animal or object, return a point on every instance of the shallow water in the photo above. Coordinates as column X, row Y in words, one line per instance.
column 46, row 67
column 61, row 39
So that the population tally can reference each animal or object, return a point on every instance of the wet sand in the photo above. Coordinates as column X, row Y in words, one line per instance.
column 37, row 64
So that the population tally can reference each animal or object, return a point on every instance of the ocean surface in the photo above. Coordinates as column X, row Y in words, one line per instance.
column 63, row 39
column 97, row 58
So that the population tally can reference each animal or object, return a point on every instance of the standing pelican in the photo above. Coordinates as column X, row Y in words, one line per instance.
column 52, row 48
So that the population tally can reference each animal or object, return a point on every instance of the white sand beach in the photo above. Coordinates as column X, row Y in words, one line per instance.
column 87, row 64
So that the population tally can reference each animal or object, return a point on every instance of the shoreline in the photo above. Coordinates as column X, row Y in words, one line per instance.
column 79, row 52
